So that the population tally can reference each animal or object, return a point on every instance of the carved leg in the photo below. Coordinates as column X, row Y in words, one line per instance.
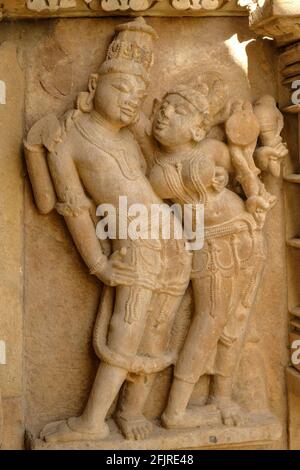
column 177, row 413
column 229, row 353
column 226, row 365
column 201, row 391
column 123, row 337
column 231, row 412
column 199, row 348
column 130, row 416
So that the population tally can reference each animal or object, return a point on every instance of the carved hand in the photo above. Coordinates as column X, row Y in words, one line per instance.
column 269, row 158
column 258, row 206
column 114, row 271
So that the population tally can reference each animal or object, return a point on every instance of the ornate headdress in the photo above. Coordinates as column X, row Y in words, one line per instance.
column 208, row 94
column 131, row 51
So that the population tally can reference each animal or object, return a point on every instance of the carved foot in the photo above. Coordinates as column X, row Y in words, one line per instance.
column 134, row 427
column 193, row 417
column 231, row 412
column 72, row 429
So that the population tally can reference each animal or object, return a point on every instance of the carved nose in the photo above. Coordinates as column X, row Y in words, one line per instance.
column 133, row 101
column 168, row 111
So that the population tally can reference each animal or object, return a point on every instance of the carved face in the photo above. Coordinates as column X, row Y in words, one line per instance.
column 118, row 97
column 177, row 122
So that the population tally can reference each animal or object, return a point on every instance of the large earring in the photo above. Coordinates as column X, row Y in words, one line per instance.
column 85, row 99
column 220, row 179
column 198, row 134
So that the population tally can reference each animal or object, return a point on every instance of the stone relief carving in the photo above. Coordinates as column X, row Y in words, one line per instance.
column 191, row 166
column 142, row 5
column 56, row 74
column 100, row 151
column 121, row 5
column 198, row 4
column 52, row 5
column 143, row 281
column 250, row 4
column 273, row 150
column 265, row 20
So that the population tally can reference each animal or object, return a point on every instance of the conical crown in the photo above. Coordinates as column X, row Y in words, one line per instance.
column 131, row 51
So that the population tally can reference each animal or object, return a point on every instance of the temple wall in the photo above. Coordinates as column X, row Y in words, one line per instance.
column 48, row 301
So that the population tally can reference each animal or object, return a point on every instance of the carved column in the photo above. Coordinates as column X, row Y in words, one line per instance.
column 280, row 19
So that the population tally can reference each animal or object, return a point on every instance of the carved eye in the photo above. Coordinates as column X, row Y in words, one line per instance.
column 121, row 87
column 182, row 111
column 141, row 94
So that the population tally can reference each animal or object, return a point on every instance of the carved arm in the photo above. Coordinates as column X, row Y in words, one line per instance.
column 74, row 205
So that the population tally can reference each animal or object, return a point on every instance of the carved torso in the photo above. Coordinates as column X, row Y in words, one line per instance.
column 169, row 183
column 108, row 164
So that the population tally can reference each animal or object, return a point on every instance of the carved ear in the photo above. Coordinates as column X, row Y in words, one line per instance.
column 155, row 107
column 220, row 180
column 204, row 89
column 85, row 98
column 198, row 134
column 93, row 82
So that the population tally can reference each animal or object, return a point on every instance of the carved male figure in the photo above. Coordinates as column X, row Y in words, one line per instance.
column 93, row 156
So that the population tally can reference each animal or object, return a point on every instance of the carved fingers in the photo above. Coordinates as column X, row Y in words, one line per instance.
column 115, row 271
column 269, row 158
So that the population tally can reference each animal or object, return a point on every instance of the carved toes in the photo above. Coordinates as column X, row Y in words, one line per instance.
column 135, row 429
column 49, row 429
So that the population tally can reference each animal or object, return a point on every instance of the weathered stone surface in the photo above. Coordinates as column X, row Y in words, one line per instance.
column 83, row 8
column 295, row 343
column 11, row 233
column 52, row 5
column 261, row 434
column 293, row 382
column 175, row 59
column 277, row 18
column 58, row 312
column 13, row 424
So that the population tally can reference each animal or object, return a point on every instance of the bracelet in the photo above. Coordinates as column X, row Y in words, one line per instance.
column 95, row 267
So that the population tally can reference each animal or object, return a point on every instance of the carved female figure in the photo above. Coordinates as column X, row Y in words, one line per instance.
column 227, row 271
column 192, row 168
